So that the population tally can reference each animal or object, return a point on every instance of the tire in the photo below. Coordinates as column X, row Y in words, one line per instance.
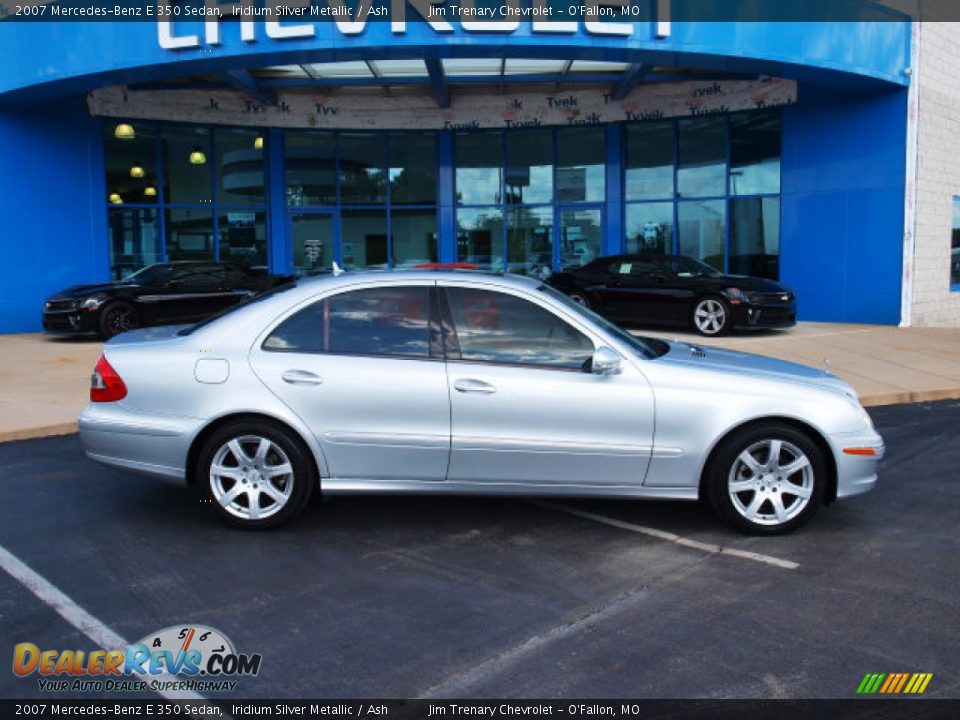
column 759, row 494
column 117, row 317
column 580, row 298
column 711, row 316
column 257, row 475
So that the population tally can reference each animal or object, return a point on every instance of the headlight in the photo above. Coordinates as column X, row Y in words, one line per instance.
column 91, row 303
column 855, row 404
column 736, row 295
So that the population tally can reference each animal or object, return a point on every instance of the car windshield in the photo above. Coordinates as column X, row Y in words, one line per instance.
column 648, row 347
column 233, row 308
column 688, row 267
column 150, row 275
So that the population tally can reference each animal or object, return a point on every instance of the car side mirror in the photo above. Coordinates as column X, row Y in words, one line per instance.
column 605, row 362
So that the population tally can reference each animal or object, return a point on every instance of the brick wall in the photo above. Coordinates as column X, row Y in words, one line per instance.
column 937, row 74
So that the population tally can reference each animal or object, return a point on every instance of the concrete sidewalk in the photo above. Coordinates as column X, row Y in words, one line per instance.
column 44, row 381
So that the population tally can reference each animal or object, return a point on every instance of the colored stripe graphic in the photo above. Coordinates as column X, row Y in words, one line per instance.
column 894, row 683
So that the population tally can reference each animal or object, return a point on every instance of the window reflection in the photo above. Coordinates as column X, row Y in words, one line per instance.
column 649, row 227
column 529, row 170
column 413, row 169
column 480, row 237
column 311, row 177
column 581, row 164
column 581, row 234
column 530, row 241
column 649, row 170
column 755, row 237
column 702, row 169
column 363, row 241
column 701, row 230
column 187, row 163
column 243, row 237
column 189, row 234
column 134, row 240
column 414, row 237
column 478, row 158
column 239, row 167
column 755, row 154
column 363, row 176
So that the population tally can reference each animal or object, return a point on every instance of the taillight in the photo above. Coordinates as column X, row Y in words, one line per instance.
column 105, row 384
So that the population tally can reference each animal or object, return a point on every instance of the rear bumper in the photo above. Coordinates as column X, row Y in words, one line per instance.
column 151, row 446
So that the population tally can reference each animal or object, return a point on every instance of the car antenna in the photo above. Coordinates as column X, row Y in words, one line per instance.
column 337, row 270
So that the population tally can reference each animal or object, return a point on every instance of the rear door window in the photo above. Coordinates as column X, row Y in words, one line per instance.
column 390, row 321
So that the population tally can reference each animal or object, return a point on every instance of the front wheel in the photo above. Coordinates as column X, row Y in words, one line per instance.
column 711, row 316
column 767, row 480
column 257, row 475
column 118, row 317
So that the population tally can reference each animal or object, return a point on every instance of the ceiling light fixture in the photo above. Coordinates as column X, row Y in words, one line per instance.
column 197, row 157
column 137, row 170
column 124, row 131
column 150, row 191
column 115, row 199
column 258, row 143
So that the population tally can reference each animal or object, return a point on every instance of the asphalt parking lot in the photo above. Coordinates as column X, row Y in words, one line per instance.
column 474, row 598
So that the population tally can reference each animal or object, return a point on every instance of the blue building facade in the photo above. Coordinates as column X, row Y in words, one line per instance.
column 769, row 148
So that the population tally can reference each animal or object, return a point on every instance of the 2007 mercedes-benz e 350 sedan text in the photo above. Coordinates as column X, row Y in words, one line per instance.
column 469, row 383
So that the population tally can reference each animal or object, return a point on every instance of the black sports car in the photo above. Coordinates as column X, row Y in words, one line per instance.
column 677, row 290
column 174, row 292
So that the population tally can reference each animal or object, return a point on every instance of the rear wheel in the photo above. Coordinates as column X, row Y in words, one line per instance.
column 257, row 475
column 768, row 479
column 118, row 317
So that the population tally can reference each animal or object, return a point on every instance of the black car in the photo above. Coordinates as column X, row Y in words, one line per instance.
column 174, row 292
column 677, row 290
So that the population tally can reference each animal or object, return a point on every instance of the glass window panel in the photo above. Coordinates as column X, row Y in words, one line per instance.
column 649, row 228
column 755, row 237
column 529, row 172
column 479, row 166
column 500, row 328
column 702, row 168
column 311, row 175
column 413, row 169
column 131, row 165
column 363, row 175
column 312, row 243
column 189, row 234
column 755, row 154
column 239, row 166
column 649, row 173
column 580, row 235
column 480, row 237
column 701, row 228
column 581, row 164
column 363, row 236
column 414, row 236
column 955, row 248
column 530, row 241
column 243, row 237
column 380, row 321
column 187, row 164
column 134, row 242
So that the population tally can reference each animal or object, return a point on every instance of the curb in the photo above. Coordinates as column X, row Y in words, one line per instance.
column 39, row 432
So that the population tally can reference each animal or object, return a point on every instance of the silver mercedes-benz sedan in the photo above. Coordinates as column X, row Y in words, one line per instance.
column 436, row 381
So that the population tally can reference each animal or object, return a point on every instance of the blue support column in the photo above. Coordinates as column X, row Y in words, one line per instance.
column 279, row 243
column 613, row 238
column 447, row 201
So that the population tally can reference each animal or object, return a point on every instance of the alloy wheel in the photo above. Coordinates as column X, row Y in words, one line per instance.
column 251, row 477
column 771, row 482
column 120, row 319
column 710, row 316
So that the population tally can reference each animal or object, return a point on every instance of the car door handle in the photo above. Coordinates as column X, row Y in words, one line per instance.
column 301, row 377
column 468, row 385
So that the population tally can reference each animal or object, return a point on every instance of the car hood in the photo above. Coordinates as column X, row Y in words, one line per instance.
column 752, row 366
column 82, row 291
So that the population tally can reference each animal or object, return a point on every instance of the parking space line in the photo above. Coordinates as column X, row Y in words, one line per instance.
column 669, row 536
column 79, row 618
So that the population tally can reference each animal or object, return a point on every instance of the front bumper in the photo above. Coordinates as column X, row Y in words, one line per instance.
column 856, row 472
column 767, row 315
column 70, row 321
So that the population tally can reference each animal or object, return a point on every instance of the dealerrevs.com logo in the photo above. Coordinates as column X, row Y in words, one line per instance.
column 204, row 659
